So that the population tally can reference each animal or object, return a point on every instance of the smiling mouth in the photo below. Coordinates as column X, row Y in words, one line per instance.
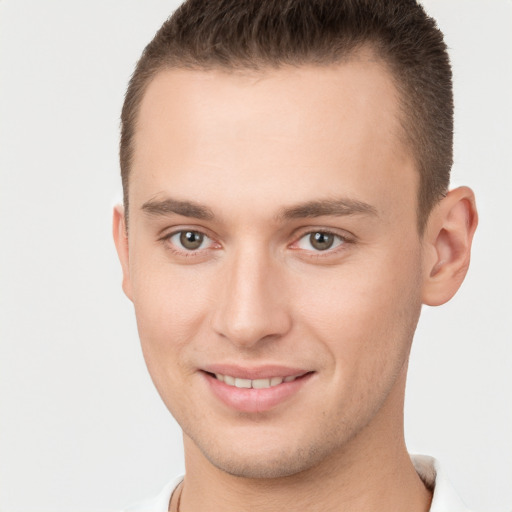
column 271, row 382
column 270, row 388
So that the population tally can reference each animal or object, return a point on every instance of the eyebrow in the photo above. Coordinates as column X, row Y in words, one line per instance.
column 170, row 206
column 310, row 209
column 333, row 207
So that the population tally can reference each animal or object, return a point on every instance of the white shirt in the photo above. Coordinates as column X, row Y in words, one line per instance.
column 444, row 498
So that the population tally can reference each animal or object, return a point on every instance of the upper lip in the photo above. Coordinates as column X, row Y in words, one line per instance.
column 255, row 372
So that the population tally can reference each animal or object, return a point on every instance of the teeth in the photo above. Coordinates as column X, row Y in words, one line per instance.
column 260, row 383
column 243, row 383
column 256, row 383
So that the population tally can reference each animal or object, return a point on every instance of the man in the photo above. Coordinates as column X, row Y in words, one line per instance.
column 286, row 213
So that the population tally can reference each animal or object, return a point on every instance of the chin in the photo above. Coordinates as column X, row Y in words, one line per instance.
column 277, row 466
column 267, row 462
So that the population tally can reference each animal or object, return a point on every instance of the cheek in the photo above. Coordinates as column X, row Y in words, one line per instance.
column 366, row 311
column 169, row 315
column 170, row 306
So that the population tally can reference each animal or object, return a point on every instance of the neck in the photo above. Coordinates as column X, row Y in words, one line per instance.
column 373, row 473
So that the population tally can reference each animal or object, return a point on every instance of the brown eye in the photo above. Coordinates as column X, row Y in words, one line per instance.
column 318, row 241
column 321, row 241
column 191, row 240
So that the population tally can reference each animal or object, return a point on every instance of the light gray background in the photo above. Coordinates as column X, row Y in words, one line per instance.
column 81, row 427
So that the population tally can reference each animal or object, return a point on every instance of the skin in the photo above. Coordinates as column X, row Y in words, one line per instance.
column 247, row 147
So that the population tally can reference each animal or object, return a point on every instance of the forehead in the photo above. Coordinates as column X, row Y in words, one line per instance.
column 282, row 133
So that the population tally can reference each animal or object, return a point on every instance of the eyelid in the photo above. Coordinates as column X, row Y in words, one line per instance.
column 308, row 230
column 172, row 230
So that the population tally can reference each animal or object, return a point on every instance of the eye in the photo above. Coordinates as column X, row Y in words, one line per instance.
column 320, row 241
column 190, row 240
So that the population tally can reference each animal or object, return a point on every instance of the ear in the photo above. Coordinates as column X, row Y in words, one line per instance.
column 447, row 242
column 121, row 240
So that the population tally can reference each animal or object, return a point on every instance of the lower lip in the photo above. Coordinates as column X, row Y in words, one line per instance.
column 255, row 400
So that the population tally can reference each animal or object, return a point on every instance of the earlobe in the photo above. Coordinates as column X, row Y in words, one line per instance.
column 120, row 234
column 447, row 240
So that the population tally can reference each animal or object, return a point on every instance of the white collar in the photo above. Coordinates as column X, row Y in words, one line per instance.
column 444, row 499
column 159, row 503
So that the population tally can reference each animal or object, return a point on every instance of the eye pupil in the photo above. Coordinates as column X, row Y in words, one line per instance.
column 321, row 241
column 191, row 239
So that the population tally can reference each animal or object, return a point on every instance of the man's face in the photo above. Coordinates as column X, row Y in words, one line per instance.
column 272, row 235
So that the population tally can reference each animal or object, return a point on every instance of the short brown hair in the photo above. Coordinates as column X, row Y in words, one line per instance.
column 256, row 34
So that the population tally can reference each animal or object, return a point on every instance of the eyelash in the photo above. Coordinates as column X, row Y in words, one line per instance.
column 342, row 239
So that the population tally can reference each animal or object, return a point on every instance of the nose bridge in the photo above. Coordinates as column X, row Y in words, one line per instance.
column 252, row 304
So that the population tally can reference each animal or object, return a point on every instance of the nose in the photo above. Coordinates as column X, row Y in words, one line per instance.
column 252, row 305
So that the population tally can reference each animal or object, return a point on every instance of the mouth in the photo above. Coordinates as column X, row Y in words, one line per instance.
column 255, row 383
column 256, row 391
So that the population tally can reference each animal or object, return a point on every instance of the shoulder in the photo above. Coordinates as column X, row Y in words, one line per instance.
column 160, row 502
